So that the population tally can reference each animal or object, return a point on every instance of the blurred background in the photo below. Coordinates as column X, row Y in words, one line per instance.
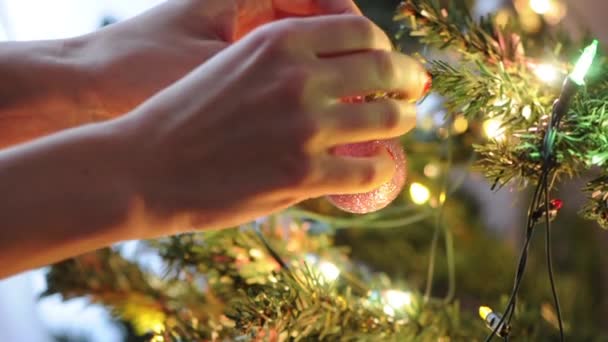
column 496, row 218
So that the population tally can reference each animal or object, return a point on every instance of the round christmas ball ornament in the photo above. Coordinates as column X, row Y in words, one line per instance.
column 382, row 196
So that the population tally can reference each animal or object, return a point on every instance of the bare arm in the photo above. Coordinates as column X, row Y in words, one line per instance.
column 64, row 195
column 43, row 90
column 177, row 163
column 49, row 86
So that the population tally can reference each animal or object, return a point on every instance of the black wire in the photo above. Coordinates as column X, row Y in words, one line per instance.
column 532, row 221
column 559, row 109
column 523, row 256
column 269, row 248
column 550, row 263
column 542, row 188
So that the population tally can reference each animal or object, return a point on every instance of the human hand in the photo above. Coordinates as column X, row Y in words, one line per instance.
column 248, row 132
column 131, row 61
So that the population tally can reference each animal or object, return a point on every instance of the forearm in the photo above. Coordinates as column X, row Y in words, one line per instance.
column 64, row 195
column 43, row 89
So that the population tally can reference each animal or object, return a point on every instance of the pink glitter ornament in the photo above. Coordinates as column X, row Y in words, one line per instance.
column 381, row 197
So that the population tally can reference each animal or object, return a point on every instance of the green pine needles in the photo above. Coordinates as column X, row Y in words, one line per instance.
column 494, row 78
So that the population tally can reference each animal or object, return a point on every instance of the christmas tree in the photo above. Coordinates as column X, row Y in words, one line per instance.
column 426, row 267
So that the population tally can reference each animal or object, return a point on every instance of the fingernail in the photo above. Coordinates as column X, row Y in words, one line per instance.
column 428, row 84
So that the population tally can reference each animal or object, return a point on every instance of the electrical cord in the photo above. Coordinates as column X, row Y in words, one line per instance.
column 550, row 264
column 531, row 222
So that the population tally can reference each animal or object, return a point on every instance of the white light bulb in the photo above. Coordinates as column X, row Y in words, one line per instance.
column 493, row 129
column 396, row 300
column 419, row 193
column 329, row 271
column 546, row 73
column 541, row 6
column 389, row 311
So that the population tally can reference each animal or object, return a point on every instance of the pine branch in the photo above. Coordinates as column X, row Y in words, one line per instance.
column 247, row 296
column 481, row 91
column 154, row 306
column 495, row 79
column 453, row 27
column 597, row 206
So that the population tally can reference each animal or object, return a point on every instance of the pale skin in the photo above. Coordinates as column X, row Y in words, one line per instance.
column 229, row 114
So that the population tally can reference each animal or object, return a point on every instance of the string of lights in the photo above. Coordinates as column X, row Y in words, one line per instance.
column 500, row 324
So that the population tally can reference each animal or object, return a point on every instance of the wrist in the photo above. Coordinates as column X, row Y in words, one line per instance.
column 132, row 141
column 45, row 73
column 77, row 75
column 115, row 153
column 46, row 87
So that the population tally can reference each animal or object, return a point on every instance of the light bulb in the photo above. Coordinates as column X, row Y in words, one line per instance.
column 419, row 193
column 484, row 311
column 460, row 124
column 329, row 271
column 546, row 72
column 541, row 6
column 584, row 64
column 493, row 129
column 396, row 300
column 431, row 170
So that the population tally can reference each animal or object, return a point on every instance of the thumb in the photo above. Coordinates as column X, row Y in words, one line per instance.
column 315, row 7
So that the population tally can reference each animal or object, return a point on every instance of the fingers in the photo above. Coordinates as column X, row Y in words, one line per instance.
column 372, row 71
column 348, row 175
column 337, row 7
column 346, row 123
column 315, row 7
column 336, row 34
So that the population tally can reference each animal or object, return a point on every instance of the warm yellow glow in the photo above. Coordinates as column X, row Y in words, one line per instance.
column 442, row 198
column 547, row 73
column 431, row 170
column 396, row 300
column 256, row 253
column 541, row 6
column 158, row 328
column 419, row 193
column 329, row 271
column 484, row 311
column 460, row 125
column 502, row 17
column 493, row 129
column 389, row 310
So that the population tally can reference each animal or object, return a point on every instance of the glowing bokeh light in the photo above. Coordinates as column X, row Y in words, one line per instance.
column 493, row 129
column 396, row 300
column 547, row 73
column 484, row 311
column 329, row 271
column 541, row 6
column 419, row 193
column 460, row 125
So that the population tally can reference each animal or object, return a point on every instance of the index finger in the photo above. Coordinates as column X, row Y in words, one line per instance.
column 316, row 7
column 330, row 35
